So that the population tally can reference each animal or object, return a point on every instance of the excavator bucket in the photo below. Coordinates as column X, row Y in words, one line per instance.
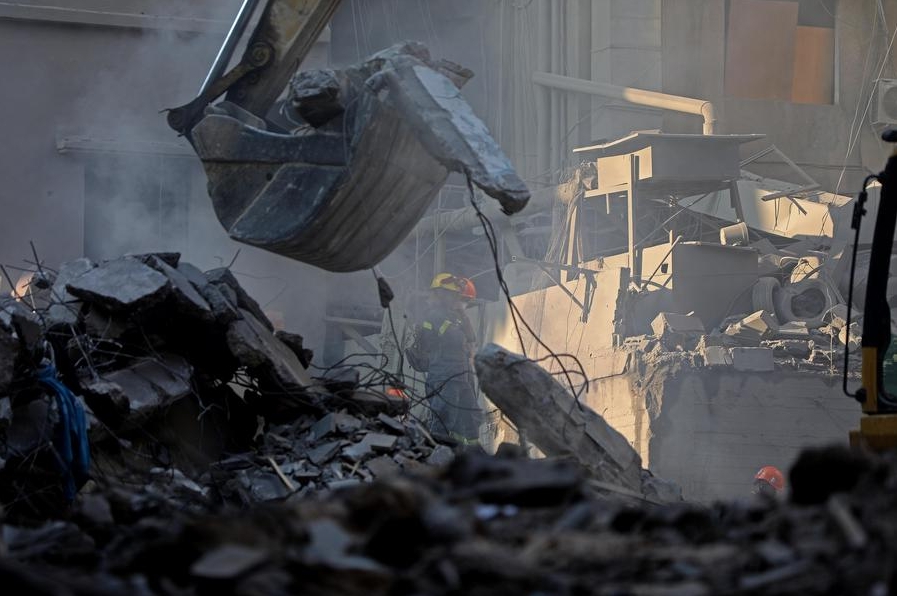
column 369, row 149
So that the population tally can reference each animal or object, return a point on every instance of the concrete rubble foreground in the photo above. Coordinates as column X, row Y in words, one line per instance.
column 223, row 462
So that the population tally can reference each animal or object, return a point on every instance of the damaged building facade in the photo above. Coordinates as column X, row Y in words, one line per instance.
column 738, row 365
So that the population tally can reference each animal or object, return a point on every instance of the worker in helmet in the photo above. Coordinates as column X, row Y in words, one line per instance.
column 769, row 482
column 447, row 341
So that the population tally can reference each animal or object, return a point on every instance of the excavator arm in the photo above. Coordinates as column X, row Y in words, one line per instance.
column 285, row 33
column 356, row 156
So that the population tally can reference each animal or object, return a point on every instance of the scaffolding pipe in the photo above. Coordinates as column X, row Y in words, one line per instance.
column 653, row 99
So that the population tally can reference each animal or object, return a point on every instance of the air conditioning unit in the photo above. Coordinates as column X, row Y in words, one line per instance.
column 885, row 102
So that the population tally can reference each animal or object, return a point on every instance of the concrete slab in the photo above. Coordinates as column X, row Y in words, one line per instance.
column 119, row 285
column 753, row 359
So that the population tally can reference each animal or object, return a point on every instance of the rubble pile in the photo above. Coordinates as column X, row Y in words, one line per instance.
column 798, row 318
column 221, row 464
column 188, row 390
column 481, row 525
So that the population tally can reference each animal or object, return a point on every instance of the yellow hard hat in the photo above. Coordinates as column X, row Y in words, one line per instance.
column 454, row 283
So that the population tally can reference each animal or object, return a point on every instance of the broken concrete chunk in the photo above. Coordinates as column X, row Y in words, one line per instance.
column 837, row 316
column 372, row 442
column 324, row 453
column 716, row 356
column 850, row 338
column 22, row 324
column 380, row 443
column 660, row 490
column 194, row 274
column 315, row 96
column 224, row 311
column 100, row 323
column 228, row 561
column 225, row 277
column 107, row 400
column 122, row 284
column 255, row 347
column 172, row 259
column 676, row 330
column 789, row 348
column 335, row 422
column 753, row 359
column 186, row 296
column 294, row 342
column 753, row 328
column 391, row 423
column 382, row 466
column 65, row 307
column 441, row 456
column 793, row 330
column 553, row 420
column 264, row 486
column 95, row 508
column 761, row 322
column 151, row 383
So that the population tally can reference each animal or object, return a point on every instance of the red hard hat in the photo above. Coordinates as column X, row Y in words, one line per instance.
column 468, row 290
column 772, row 476
column 454, row 283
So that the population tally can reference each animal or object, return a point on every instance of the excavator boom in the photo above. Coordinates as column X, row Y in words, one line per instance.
column 289, row 28
column 339, row 173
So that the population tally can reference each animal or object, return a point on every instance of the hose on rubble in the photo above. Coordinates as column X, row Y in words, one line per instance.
column 70, row 438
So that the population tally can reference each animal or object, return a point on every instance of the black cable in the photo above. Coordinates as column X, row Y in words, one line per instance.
column 859, row 210
column 491, row 238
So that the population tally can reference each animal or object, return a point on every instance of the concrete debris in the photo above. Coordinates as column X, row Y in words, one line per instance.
column 676, row 330
column 793, row 329
column 64, row 308
column 335, row 422
column 716, row 356
column 197, row 488
column 254, row 346
column 753, row 359
column 484, row 526
column 146, row 386
column 225, row 281
column 553, row 419
column 294, row 342
column 753, row 328
column 441, row 456
column 121, row 284
column 850, row 338
column 837, row 316
column 185, row 295
column 793, row 348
